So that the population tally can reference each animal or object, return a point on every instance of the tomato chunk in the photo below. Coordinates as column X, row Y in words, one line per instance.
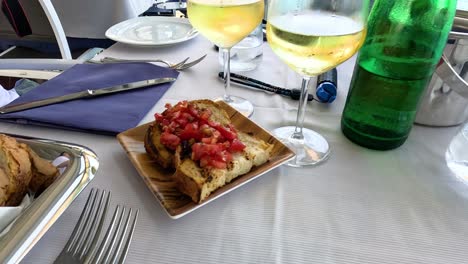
column 170, row 140
column 212, row 144
column 236, row 145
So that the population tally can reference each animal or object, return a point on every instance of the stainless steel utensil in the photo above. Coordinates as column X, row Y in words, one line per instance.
column 84, row 94
column 115, row 248
column 82, row 246
column 176, row 66
column 83, row 240
column 30, row 74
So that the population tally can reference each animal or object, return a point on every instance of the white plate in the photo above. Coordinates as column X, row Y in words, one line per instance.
column 152, row 31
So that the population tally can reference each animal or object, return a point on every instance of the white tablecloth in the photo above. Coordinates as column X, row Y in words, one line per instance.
column 361, row 206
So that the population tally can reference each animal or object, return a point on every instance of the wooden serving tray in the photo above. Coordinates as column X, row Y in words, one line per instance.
column 160, row 182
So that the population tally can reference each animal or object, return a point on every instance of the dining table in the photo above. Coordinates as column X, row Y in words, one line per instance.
column 360, row 206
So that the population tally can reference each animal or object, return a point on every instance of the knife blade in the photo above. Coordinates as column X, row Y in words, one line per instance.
column 31, row 74
column 84, row 94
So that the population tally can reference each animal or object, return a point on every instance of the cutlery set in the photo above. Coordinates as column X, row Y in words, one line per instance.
column 46, row 69
column 89, row 93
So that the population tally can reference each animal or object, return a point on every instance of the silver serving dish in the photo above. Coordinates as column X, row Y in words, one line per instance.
column 39, row 216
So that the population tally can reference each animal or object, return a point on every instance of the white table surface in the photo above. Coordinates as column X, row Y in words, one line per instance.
column 361, row 206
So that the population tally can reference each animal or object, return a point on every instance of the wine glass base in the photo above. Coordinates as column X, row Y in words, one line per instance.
column 312, row 150
column 242, row 105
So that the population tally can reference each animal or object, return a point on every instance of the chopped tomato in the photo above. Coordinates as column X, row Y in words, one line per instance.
column 201, row 149
column 190, row 131
column 170, row 140
column 158, row 117
column 226, row 131
column 212, row 144
column 218, row 164
column 192, row 110
column 236, row 145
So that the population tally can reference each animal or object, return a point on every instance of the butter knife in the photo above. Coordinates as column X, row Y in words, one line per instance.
column 84, row 94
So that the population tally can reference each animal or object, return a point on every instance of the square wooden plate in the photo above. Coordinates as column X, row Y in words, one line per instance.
column 160, row 182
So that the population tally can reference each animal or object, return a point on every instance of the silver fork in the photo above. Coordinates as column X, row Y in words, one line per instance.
column 176, row 66
column 83, row 240
column 112, row 246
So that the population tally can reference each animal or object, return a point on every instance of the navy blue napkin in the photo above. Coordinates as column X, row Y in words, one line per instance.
column 108, row 114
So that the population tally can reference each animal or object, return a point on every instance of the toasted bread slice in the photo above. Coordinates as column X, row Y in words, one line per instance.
column 256, row 153
column 43, row 172
column 21, row 169
column 199, row 183
column 15, row 171
column 218, row 115
column 155, row 149
column 165, row 157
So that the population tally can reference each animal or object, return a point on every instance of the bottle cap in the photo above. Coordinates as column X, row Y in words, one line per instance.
column 326, row 92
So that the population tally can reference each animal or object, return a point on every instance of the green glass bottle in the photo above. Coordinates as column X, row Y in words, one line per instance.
column 404, row 43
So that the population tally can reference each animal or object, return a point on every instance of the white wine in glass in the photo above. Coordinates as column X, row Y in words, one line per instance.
column 226, row 23
column 312, row 37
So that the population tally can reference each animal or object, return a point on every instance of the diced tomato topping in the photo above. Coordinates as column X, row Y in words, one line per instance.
column 236, row 146
column 212, row 143
column 190, row 131
column 170, row 140
column 158, row 117
column 218, row 164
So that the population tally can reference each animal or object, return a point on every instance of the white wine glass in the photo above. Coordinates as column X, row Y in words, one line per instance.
column 226, row 23
column 312, row 37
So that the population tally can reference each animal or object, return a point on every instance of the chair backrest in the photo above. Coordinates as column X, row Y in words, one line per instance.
column 45, row 25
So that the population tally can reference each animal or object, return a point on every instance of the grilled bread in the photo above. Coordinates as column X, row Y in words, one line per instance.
column 21, row 169
column 15, row 171
column 198, row 181
column 162, row 155
column 157, row 151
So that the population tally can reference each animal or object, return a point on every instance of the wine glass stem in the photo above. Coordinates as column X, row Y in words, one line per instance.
column 302, row 107
column 227, row 73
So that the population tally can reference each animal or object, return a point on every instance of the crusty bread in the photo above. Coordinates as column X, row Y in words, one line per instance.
column 197, row 182
column 157, row 151
column 43, row 172
column 163, row 156
column 218, row 115
column 21, row 169
column 15, row 171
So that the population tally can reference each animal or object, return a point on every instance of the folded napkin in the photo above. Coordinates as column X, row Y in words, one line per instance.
column 109, row 114
column 6, row 96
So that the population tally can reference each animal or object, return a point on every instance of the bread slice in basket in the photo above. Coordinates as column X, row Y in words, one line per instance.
column 21, row 170
column 221, row 160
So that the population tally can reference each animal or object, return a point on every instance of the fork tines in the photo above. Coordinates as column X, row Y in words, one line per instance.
column 83, row 246
column 119, row 232
column 86, row 233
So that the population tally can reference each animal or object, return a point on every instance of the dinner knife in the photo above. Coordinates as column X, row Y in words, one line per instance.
column 30, row 74
column 84, row 94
